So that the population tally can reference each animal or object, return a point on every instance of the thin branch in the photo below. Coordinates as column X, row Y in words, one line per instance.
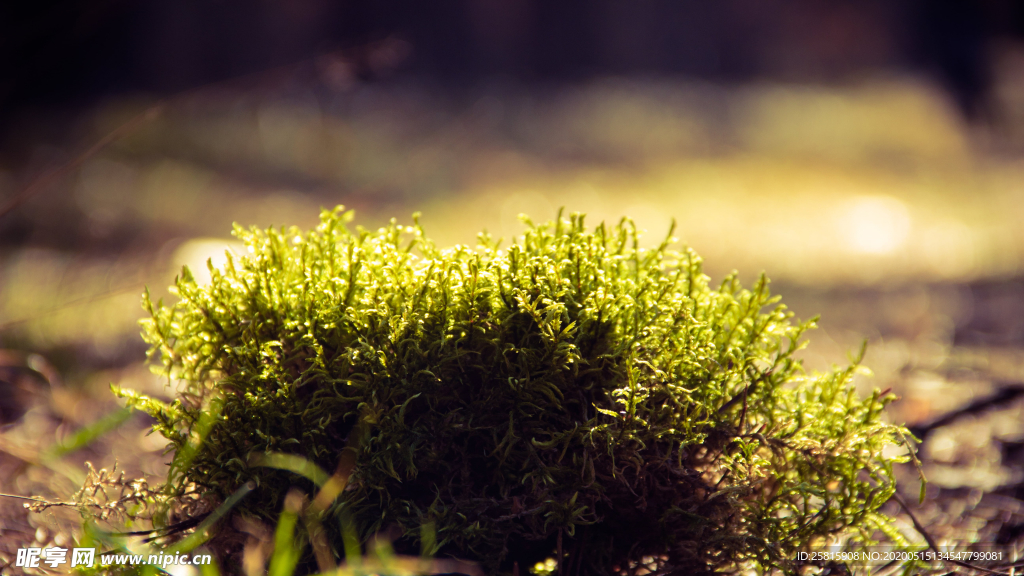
column 43, row 182
column 1003, row 396
column 73, row 303
column 40, row 500
column 931, row 542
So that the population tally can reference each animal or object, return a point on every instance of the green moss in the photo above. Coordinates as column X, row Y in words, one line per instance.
column 573, row 391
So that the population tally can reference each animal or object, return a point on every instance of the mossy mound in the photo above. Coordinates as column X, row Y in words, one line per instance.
column 573, row 394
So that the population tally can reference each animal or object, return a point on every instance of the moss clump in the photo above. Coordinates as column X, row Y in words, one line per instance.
column 572, row 396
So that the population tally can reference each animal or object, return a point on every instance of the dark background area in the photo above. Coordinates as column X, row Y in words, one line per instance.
column 75, row 52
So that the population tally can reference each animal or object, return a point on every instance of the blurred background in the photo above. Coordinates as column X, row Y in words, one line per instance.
column 868, row 155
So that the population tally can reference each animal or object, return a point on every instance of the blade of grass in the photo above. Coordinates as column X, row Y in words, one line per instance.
column 291, row 463
column 286, row 549
column 88, row 434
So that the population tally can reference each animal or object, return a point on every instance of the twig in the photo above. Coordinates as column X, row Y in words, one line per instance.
column 40, row 500
column 40, row 184
column 156, row 533
column 73, row 303
column 1004, row 395
column 931, row 542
